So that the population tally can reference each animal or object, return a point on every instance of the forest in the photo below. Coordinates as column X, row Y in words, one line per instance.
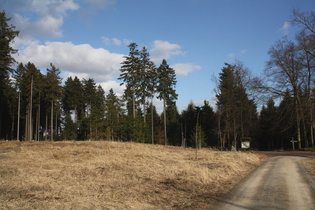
column 39, row 106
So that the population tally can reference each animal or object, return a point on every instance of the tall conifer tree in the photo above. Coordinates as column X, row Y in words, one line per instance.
column 166, row 82
column 7, row 35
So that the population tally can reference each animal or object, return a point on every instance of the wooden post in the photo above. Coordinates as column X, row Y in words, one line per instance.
column 293, row 141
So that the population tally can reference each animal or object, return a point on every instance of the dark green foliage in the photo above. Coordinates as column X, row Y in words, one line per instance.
column 236, row 111
column 166, row 82
column 208, row 124
column 189, row 120
column 52, row 94
column 129, row 75
column 73, row 97
column 7, row 34
column 70, row 129
column 114, row 115
column 268, row 122
column 173, row 125
column 202, row 120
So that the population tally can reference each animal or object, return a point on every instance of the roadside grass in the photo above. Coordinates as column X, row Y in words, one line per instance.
column 309, row 165
column 116, row 175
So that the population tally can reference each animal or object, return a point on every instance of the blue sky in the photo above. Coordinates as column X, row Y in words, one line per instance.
column 88, row 38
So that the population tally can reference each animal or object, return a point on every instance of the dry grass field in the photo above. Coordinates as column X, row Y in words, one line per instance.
column 309, row 165
column 116, row 175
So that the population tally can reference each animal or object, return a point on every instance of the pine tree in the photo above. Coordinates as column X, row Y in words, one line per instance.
column 166, row 82
column 268, row 126
column 73, row 106
column 98, row 114
column 129, row 75
column 53, row 91
column 173, row 125
column 7, row 35
column 145, row 80
column 89, row 98
column 208, row 124
column 73, row 97
column 29, row 83
column 237, row 113
column 188, row 119
column 225, row 102
column 114, row 112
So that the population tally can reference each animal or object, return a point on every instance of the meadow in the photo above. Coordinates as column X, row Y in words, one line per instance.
column 116, row 175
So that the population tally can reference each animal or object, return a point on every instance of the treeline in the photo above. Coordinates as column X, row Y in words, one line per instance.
column 37, row 106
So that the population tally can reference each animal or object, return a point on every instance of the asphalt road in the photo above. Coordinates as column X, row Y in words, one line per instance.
column 280, row 183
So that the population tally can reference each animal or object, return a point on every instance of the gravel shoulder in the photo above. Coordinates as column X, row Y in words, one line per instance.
column 280, row 183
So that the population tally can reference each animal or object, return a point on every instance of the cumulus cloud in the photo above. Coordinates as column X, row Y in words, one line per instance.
column 40, row 17
column 36, row 19
column 83, row 60
column 285, row 28
column 185, row 68
column 164, row 50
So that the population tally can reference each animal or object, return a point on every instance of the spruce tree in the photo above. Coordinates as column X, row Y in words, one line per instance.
column 114, row 111
column 7, row 35
column 129, row 75
column 53, row 91
column 166, row 82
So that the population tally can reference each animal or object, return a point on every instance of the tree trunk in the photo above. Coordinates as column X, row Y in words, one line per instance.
column 46, row 126
column 165, row 131
column 30, row 131
column 56, row 123
column 38, row 137
column 19, row 117
column 152, row 122
column 26, row 124
column 144, row 114
column 234, row 134
column 298, row 122
column 133, row 105
column 52, row 121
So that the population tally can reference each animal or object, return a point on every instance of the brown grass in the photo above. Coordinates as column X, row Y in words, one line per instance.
column 309, row 165
column 113, row 175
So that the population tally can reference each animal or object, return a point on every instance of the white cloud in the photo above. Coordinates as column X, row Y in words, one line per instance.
column 84, row 60
column 233, row 55
column 117, row 88
column 185, row 68
column 164, row 50
column 115, row 41
column 285, row 28
column 106, row 40
column 48, row 26
column 40, row 17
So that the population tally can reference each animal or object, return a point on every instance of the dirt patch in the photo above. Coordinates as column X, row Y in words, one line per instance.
column 113, row 175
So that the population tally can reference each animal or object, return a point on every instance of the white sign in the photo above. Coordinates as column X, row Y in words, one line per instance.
column 245, row 144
